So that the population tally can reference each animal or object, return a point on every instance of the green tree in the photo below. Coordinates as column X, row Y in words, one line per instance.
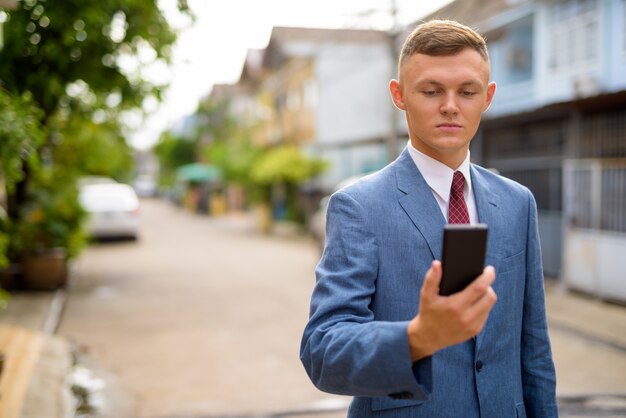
column 103, row 150
column 173, row 152
column 267, row 175
column 21, row 134
column 283, row 169
column 286, row 164
column 214, row 121
column 227, row 144
column 69, row 52
column 68, row 56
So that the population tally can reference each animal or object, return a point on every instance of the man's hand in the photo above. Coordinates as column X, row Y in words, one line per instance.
column 447, row 320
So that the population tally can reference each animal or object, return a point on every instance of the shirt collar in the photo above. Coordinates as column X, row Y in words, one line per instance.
column 438, row 176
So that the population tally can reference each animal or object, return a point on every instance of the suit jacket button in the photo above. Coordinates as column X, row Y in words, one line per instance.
column 479, row 366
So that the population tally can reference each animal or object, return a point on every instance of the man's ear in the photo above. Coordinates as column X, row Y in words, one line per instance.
column 491, row 90
column 396, row 94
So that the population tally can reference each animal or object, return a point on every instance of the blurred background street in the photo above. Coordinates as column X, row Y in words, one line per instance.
column 201, row 317
column 165, row 167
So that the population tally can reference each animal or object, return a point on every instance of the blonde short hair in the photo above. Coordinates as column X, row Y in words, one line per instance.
column 442, row 37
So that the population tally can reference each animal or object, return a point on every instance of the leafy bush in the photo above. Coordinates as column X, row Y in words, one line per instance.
column 51, row 218
column 21, row 134
column 4, row 239
column 286, row 165
column 279, row 172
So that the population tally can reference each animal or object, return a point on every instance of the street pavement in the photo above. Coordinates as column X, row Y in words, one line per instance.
column 201, row 318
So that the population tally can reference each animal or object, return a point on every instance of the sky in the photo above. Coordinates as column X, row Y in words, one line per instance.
column 212, row 49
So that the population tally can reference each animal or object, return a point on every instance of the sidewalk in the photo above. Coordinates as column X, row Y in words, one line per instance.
column 47, row 394
column 586, row 316
column 600, row 323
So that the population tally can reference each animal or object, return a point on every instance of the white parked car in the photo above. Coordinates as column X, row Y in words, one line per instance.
column 113, row 209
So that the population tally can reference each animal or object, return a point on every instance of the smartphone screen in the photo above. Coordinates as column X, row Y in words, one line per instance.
column 463, row 259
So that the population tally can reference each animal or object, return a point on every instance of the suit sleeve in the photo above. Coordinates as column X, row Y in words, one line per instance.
column 344, row 349
column 538, row 374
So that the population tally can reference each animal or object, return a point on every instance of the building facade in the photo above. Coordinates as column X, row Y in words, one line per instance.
column 325, row 90
column 558, row 125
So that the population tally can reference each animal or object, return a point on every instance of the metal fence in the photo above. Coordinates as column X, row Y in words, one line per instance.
column 595, row 193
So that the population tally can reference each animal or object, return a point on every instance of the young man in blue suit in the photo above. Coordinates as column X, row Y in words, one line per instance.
column 378, row 328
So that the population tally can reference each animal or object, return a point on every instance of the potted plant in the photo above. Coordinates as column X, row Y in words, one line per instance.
column 49, row 233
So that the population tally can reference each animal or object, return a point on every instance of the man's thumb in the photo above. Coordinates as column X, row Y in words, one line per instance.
column 432, row 279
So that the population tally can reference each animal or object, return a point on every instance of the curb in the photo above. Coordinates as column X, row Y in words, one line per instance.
column 53, row 318
column 48, row 393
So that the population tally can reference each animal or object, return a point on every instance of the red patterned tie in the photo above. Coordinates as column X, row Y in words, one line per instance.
column 457, row 211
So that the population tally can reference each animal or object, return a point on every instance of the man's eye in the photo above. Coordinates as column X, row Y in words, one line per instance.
column 429, row 92
column 468, row 93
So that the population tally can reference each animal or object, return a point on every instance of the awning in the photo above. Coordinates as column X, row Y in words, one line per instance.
column 199, row 173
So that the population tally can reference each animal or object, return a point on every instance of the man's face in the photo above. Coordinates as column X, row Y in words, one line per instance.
column 443, row 98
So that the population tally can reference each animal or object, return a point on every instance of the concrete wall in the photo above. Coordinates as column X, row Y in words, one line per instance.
column 594, row 263
column 354, row 102
column 354, row 105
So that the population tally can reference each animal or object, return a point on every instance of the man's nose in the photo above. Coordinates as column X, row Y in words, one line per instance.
column 449, row 105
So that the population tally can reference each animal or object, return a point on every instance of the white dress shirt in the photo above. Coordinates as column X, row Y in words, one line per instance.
column 438, row 176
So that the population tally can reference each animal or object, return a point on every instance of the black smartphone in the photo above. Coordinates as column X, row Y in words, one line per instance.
column 463, row 258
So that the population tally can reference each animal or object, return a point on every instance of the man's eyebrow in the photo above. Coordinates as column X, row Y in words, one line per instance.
column 437, row 83
column 428, row 81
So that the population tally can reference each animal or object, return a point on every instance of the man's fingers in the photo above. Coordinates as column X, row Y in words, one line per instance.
column 481, row 308
column 432, row 279
column 488, row 276
column 478, row 287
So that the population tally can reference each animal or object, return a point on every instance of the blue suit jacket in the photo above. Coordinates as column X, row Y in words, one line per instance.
column 382, row 234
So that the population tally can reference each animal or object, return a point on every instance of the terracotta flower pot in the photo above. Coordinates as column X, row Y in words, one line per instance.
column 45, row 270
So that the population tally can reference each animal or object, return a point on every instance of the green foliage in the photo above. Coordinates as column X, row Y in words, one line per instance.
column 4, row 238
column 4, row 298
column 228, row 144
column 173, row 152
column 262, row 172
column 21, row 134
column 281, row 170
column 54, row 44
column 64, row 58
column 214, row 121
column 52, row 217
column 103, row 151
column 286, row 165
column 235, row 158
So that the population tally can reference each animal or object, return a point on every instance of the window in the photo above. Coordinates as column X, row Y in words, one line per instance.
column 573, row 33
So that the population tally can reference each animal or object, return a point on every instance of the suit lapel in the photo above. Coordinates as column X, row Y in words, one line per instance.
column 487, row 207
column 419, row 203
